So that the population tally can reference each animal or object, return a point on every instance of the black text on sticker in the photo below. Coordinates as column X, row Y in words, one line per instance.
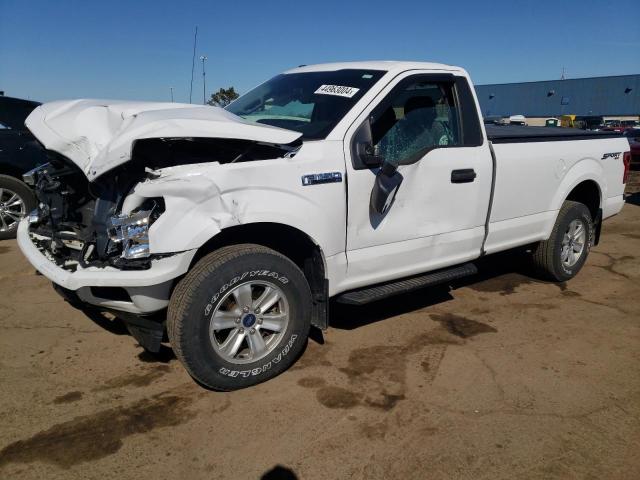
column 338, row 90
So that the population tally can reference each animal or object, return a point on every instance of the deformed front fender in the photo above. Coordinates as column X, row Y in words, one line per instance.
column 196, row 210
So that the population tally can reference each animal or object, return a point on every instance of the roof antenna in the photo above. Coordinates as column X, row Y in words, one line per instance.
column 193, row 62
column 562, row 75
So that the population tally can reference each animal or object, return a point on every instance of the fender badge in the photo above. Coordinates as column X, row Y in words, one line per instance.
column 319, row 178
column 615, row 155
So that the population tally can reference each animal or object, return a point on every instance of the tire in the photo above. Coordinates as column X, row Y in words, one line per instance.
column 216, row 288
column 550, row 258
column 12, row 188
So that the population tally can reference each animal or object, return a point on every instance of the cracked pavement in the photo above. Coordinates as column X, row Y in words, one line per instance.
column 500, row 377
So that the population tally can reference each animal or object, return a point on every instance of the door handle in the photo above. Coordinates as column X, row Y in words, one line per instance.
column 464, row 175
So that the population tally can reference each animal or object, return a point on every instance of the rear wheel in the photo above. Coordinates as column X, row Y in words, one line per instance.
column 16, row 200
column 239, row 317
column 562, row 256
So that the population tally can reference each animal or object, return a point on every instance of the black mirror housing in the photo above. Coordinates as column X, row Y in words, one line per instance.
column 363, row 152
column 385, row 188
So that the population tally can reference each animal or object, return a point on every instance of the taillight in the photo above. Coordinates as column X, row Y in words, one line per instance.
column 626, row 160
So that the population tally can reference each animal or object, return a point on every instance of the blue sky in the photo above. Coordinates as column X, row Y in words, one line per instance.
column 138, row 49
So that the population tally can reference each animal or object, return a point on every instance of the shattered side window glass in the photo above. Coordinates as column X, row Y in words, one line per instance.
column 417, row 119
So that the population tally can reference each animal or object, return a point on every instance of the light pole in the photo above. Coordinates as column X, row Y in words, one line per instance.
column 204, row 81
column 171, row 88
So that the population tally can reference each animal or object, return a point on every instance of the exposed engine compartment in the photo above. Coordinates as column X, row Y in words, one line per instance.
column 77, row 222
column 70, row 226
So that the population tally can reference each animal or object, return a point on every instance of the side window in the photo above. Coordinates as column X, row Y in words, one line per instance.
column 416, row 117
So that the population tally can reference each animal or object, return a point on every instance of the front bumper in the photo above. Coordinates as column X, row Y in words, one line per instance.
column 148, row 289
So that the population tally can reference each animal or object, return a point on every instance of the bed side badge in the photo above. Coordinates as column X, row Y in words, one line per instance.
column 319, row 178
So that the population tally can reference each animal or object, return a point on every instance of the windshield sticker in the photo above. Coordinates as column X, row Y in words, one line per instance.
column 338, row 90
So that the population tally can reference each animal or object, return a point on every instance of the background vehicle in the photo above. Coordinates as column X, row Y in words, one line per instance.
column 517, row 120
column 19, row 153
column 590, row 122
column 613, row 126
column 633, row 135
column 567, row 121
column 238, row 222
column 630, row 123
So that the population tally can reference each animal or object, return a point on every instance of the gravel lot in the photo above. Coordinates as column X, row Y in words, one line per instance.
column 502, row 376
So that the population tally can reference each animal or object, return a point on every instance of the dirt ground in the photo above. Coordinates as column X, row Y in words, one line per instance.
column 500, row 377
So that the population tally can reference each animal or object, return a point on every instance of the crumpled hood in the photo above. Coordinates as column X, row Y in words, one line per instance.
column 98, row 135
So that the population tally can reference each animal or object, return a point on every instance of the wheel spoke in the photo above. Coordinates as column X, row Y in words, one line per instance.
column 267, row 300
column 242, row 295
column 578, row 231
column 222, row 320
column 243, row 330
column 13, row 200
column 576, row 227
column 274, row 322
column 3, row 224
column 256, row 344
column 14, row 216
column 232, row 343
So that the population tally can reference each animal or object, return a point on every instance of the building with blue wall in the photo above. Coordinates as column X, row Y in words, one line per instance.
column 616, row 96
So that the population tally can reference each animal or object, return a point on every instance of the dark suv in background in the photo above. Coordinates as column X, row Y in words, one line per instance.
column 19, row 153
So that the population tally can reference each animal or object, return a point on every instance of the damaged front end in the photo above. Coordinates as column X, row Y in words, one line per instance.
column 76, row 223
column 103, row 223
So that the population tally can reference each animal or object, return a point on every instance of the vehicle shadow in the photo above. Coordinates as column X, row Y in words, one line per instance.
column 633, row 199
column 116, row 326
column 500, row 272
column 350, row 317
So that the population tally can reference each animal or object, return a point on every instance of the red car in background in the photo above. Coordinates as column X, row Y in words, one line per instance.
column 633, row 135
column 619, row 125
column 613, row 126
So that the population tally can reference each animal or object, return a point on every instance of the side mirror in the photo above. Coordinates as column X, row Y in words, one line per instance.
column 385, row 188
column 368, row 155
column 363, row 150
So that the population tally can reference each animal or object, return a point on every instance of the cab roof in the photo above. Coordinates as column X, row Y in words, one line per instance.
column 384, row 65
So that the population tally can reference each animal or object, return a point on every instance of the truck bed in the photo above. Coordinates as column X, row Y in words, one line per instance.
column 524, row 134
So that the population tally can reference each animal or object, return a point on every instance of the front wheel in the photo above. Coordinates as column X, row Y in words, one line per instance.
column 561, row 257
column 241, row 316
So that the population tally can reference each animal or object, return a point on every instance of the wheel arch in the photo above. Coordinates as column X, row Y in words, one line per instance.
column 587, row 192
column 10, row 171
column 291, row 242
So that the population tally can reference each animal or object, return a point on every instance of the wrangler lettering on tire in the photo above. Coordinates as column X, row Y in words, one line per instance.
column 240, row 316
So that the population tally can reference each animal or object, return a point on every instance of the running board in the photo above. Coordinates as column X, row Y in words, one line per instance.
column 378, row 292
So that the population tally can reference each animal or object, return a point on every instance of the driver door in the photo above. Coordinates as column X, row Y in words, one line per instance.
column 427, row 124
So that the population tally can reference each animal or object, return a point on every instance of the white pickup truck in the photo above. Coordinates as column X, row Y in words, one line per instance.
column 231, row 229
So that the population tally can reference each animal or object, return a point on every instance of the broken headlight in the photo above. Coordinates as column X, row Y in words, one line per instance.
column 132, row 230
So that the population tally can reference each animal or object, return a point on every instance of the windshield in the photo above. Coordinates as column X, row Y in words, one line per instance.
column 311, row 103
